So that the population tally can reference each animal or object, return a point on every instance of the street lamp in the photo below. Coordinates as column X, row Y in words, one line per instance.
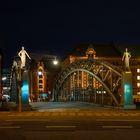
column 55, row 62
column 3, row 83
column 4, row 78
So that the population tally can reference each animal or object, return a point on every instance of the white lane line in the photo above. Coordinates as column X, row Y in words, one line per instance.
column 60, row 126
column 119, row 120
column 117, row 127
column 10, row 127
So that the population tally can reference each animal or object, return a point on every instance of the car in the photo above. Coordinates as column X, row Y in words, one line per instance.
column 5, row 98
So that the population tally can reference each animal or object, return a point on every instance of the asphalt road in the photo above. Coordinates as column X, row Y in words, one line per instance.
column 70, row 121
column 97, row 129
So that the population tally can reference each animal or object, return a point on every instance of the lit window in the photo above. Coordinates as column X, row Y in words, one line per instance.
column 104, row 92
column 39, row 72
column 138, row 70
column 138, row 93
column 138, row 77
column 138, row 84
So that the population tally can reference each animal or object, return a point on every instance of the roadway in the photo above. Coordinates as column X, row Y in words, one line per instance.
column 45, row 106
column 69, row 123
column 100, row 129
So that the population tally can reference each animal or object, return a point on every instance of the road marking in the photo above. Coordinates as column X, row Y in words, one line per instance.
column 117, row 120
column 117, row 127
column 9, row 127
column 60, row 126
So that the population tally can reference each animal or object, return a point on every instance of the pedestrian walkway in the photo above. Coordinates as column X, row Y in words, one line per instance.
column 70, row 110
column 72, row 113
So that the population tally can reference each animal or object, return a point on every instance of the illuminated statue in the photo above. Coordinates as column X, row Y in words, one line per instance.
column 22, row 54
column 126, row 57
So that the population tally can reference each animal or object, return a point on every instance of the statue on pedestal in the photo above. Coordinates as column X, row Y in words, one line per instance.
column 22, row 54
column 126, row 57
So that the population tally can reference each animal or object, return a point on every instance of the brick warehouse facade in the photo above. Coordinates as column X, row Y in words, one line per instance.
column 42, row 73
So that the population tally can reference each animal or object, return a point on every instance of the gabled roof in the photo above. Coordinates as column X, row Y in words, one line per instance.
column 106, row 49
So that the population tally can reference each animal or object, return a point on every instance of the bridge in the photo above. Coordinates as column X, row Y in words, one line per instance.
column 69, row 84
column 86, row 80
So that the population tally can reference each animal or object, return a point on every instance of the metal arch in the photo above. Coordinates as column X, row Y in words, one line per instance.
column 115, row 69
column 90, row 66
column 94, row 75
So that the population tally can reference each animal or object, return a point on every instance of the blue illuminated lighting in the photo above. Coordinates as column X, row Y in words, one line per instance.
column 127, row 94
column 25, row 92
column 44, row 95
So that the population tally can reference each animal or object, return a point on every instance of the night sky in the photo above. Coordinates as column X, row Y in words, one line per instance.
column 56, row 26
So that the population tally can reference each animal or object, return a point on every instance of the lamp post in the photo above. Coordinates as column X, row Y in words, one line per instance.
column 55, row 62
column 19, row 80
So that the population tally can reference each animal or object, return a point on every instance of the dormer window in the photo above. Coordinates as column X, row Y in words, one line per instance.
column 90, row 53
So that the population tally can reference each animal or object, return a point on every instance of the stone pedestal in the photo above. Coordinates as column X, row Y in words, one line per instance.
column 25, row 88
column 127, row 89
column 25, row 91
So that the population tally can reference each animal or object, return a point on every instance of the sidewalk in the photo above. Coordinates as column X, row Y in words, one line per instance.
column 69, row 110
column 71, row 113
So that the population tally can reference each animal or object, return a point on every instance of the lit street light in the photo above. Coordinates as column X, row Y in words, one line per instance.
column 4, row 78
column 55, row 62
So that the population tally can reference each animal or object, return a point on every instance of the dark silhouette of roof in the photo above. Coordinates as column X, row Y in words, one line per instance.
column 106, row 49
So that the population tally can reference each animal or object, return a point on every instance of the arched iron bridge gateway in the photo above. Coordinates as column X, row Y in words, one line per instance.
column 69, row 84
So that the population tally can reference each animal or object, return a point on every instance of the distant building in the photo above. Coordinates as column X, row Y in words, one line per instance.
column 1, row 66
column 6, row 81
column 42, row 74
column 109, row 53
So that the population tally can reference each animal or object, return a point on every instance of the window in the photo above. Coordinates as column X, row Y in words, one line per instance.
column 138, row 77
column 40, row 81
column 39, row 72
column 40, row 76
column 138, row 70
column 40, row 90
column 40, row 86
column 138, row 84
column 104, row 91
